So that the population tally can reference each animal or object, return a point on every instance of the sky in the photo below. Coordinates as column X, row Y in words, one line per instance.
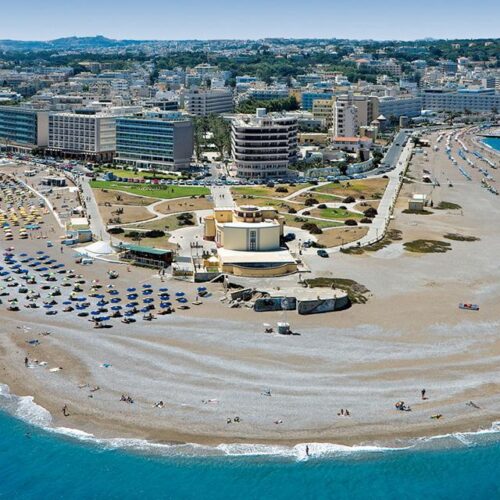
column 249, row 19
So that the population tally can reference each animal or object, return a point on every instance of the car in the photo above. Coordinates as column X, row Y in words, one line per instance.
column 289, row 237
column 323, row 253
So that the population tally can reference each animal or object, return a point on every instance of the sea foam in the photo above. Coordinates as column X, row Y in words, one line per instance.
column 24, row 408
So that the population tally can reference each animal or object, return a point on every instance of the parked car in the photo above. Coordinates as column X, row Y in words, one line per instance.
column 323, row 253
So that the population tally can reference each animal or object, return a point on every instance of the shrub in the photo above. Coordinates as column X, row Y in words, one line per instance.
column 312, row 228
column 366, row 220
column 292, row 210
column 306, row 212
column 349, row 199
column 343, row 207
column 310, row 202
column 115, row 230
column 370, row 212
column 154, row 233
column 321, row 205
column 350, row 222
column 281, row 189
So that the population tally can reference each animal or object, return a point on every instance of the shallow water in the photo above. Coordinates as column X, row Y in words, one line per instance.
column 38, row 462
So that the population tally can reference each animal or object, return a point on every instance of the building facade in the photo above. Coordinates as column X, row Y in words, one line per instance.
column 481, row 101
column 263, row 146
column 351, row 112
column 85, row 134
column 204, row 102
column 155, row 140
column 23, row 128
column 396, row 107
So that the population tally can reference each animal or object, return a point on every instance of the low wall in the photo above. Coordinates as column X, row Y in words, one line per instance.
column 261, row 272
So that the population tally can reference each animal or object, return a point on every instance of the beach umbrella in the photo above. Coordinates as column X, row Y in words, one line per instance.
column 67, row 303
column 23, row 255
column 132, row 296
column 129, row 313
column 147, row 292
column 114, row 292
column 180, row 294
column 131, row 305
column 146, row 285
column 48, row 306
column 202, row 288
column 144, row 310
column 101, row 303
column 148, row 301
column 116, row 308
column 95, row 313
column 40, row 252
column 131, row 289
column 182, row 300
column 165, row 305
column 163, row 289
column 115, row 300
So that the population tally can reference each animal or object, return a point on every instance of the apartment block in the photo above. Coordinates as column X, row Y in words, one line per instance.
column 263, row 145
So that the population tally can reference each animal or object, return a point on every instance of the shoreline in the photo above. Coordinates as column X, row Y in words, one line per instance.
column 209, row 447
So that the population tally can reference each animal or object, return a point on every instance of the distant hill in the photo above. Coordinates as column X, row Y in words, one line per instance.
column 68, row 43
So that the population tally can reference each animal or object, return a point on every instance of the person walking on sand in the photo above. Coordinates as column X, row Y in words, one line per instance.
column 423, row 393
column 65, row 411
column 307, row 450
column 26, row 361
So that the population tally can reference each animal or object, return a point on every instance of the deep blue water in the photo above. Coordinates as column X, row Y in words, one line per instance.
column 38, row 464
column 493, row 142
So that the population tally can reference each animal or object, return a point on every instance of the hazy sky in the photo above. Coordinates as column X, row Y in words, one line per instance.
column 208, row 19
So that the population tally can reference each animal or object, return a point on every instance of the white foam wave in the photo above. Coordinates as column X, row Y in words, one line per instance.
column 27, row 410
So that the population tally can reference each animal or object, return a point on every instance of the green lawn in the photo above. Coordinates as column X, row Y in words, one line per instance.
column 266, row 191
column 131, row 174
column 152, row 190
column 335, row 213
column 323, row 224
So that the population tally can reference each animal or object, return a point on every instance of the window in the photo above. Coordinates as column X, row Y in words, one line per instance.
column 253, row 241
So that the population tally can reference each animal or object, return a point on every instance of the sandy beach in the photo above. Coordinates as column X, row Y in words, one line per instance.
column 211, row 363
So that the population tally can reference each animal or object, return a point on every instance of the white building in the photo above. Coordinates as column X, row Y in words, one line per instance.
column 351, row 112
column 264, row 145
column 86, row 133
column 204, row 102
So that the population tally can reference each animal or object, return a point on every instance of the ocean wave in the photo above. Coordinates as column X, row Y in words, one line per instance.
column 24, row 408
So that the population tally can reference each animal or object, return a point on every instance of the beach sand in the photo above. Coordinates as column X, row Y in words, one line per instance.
column 410, row 335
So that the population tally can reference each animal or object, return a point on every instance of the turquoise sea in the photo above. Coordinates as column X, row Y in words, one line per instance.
column 492, row 142
column 37, row 462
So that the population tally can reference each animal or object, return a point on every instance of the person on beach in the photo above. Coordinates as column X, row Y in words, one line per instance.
column 307, row 450
column 26, row 361
column 423, row 394
column 65, row 411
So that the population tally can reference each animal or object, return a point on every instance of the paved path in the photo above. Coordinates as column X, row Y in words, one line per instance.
column 222, row 197
column 97, row 225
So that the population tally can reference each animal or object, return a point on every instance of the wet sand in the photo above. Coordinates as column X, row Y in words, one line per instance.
column 410, row 335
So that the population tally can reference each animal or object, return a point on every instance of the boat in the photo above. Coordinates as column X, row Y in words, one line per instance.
column 469, row 307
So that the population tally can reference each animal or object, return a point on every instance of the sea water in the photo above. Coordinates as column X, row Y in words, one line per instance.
column 492, row 142
column 38, row 461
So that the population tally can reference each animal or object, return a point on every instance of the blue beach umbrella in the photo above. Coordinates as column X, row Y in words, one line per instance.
column 115, row 300
column 163, row 289
column 144, row 310
column 48, row 306
column 180, row 294
column 182, row 300
column 146, row 285
column 131, row 289
column 148, row 301
column 67, row 303
column 95, row 313
column 116, row 308
column 147, row 292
